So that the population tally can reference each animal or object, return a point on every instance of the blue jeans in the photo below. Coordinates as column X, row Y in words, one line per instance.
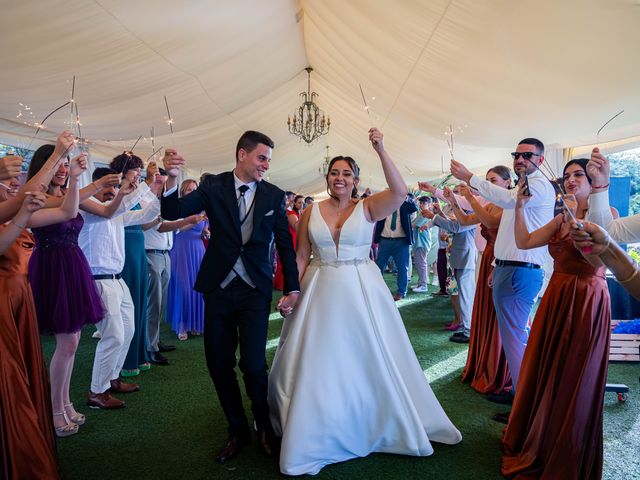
column 514, row 292
column 399, row 250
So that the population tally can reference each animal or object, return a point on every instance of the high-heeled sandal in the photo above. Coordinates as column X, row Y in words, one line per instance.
column 68, row 429
column 78, row 418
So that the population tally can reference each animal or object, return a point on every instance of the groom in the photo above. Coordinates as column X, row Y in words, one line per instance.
column 235, row 277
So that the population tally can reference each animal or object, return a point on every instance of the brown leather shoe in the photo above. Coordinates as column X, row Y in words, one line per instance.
column 119, row 386
column 231, row 449
column 269, row 442
column 104, row 401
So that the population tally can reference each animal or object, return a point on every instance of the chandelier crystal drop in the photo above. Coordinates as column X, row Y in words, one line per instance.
column 309, row 122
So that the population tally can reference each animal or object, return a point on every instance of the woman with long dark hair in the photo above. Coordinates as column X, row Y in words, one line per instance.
column 555, row 426
column 345, row 381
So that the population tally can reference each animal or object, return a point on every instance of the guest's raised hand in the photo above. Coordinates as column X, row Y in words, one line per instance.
column 447, row 193
column 436, row 208
column 10, row 166
column 461, row 172
column 599, row 169
column 589, row 238
column 426, row 213
column 111, row 180
column 34, row 201
column 152, row 170
column 523, row 194
column 377, row 139
column 172, row 162
column 127, row 187
column 158, row 183
column 64, row 142
column 78, row 165
column 427, row 187
column 465, row 191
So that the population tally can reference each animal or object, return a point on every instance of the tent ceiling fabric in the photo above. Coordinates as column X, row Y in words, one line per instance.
column 497, row 70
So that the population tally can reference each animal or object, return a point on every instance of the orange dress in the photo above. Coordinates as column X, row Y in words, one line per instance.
column 486, row 367
column 555, row 426
column 26, row 426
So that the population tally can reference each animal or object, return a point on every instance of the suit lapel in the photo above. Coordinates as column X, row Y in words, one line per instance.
column 260, row 206
column 231, row 200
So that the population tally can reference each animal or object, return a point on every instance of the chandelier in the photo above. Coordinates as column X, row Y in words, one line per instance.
column 309, row 122
column 324, row 168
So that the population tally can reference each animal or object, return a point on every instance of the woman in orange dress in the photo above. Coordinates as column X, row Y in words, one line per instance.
column 293, row 216
column 26, row 426
column 486, row 369
column 555, row 426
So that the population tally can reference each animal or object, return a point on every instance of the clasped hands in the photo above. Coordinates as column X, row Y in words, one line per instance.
column 287, row 303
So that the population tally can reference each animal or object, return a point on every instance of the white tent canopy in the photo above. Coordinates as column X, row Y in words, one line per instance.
column 497, row 71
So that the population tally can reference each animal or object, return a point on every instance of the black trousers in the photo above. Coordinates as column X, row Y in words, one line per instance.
column 442, row 269
column 238, row 315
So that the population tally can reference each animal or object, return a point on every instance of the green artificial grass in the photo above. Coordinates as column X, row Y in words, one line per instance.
column 174, row 426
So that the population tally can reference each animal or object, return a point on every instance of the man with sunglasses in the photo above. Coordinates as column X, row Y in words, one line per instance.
column 518, row 274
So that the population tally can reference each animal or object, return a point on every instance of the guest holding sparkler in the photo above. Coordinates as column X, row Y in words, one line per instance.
column 518, row 275
column 564, row 368
column 135, row 273
column 103, row 242
column 28, row 445
column 486, row 367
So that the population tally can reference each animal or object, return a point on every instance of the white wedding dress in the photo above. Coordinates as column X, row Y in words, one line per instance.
column 345, row 380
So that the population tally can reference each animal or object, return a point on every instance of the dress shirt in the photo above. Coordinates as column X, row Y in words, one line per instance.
column 398, row 232
column 622, row 230
column 538, row 211
column 481, row 242
column 102, row 239
column 155, row 240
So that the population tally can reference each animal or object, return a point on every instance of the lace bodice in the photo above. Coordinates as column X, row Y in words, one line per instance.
column 59, row 235
column 354, row 240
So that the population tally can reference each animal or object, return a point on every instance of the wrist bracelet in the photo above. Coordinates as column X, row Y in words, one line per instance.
column 21, row 227
column 627, row 280
column 601, row 186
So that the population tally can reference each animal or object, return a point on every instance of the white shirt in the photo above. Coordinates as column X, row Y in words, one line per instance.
column 155, row 240
column 249, row 194
column 622, row 230
column 398, row 232
column 538, row 211
column 102, row 239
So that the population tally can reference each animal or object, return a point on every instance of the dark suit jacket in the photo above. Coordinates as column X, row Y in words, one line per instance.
column 406, row 209
column 216, row 195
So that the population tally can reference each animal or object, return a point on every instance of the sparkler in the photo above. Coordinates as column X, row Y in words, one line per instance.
column 170, row 120
column 153, row 154
column 608, row 122
column 450, row 141
column 364, row 100
column 41, row 124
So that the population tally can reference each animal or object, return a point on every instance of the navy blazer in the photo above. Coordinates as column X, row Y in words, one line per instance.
column 406, row 209
column 216, row 196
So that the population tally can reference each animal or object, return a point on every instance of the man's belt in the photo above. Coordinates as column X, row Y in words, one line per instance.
column 514, row 263
column 108, row 276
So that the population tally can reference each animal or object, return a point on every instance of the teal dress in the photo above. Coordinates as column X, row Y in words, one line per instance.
column 136, row 275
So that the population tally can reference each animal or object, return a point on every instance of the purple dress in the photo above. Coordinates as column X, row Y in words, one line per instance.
column 185, row 306
column 65, row 293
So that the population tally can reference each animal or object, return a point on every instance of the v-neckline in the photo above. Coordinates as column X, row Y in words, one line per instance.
column 336, row 245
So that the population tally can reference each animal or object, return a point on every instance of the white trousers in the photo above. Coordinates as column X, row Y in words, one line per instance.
column 117, row 328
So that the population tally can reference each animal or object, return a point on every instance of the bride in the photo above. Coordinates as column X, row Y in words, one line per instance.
column 345, row 381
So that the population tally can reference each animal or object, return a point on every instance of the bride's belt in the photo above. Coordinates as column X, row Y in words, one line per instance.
column 339, row 263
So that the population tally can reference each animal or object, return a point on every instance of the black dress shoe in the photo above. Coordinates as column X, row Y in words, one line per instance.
column 162, row 347
column 231, row 449
column 157, row 358
column 502, row 417
column 459, row 338
column 504, row 398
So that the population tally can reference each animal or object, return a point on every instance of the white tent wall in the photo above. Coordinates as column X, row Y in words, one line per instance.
column 496, row 70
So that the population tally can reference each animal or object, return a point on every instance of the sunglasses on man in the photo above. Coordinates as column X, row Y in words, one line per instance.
column 525, row 155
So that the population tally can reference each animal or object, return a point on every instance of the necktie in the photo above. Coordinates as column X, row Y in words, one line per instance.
column 242, row 205
column 394, row 220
